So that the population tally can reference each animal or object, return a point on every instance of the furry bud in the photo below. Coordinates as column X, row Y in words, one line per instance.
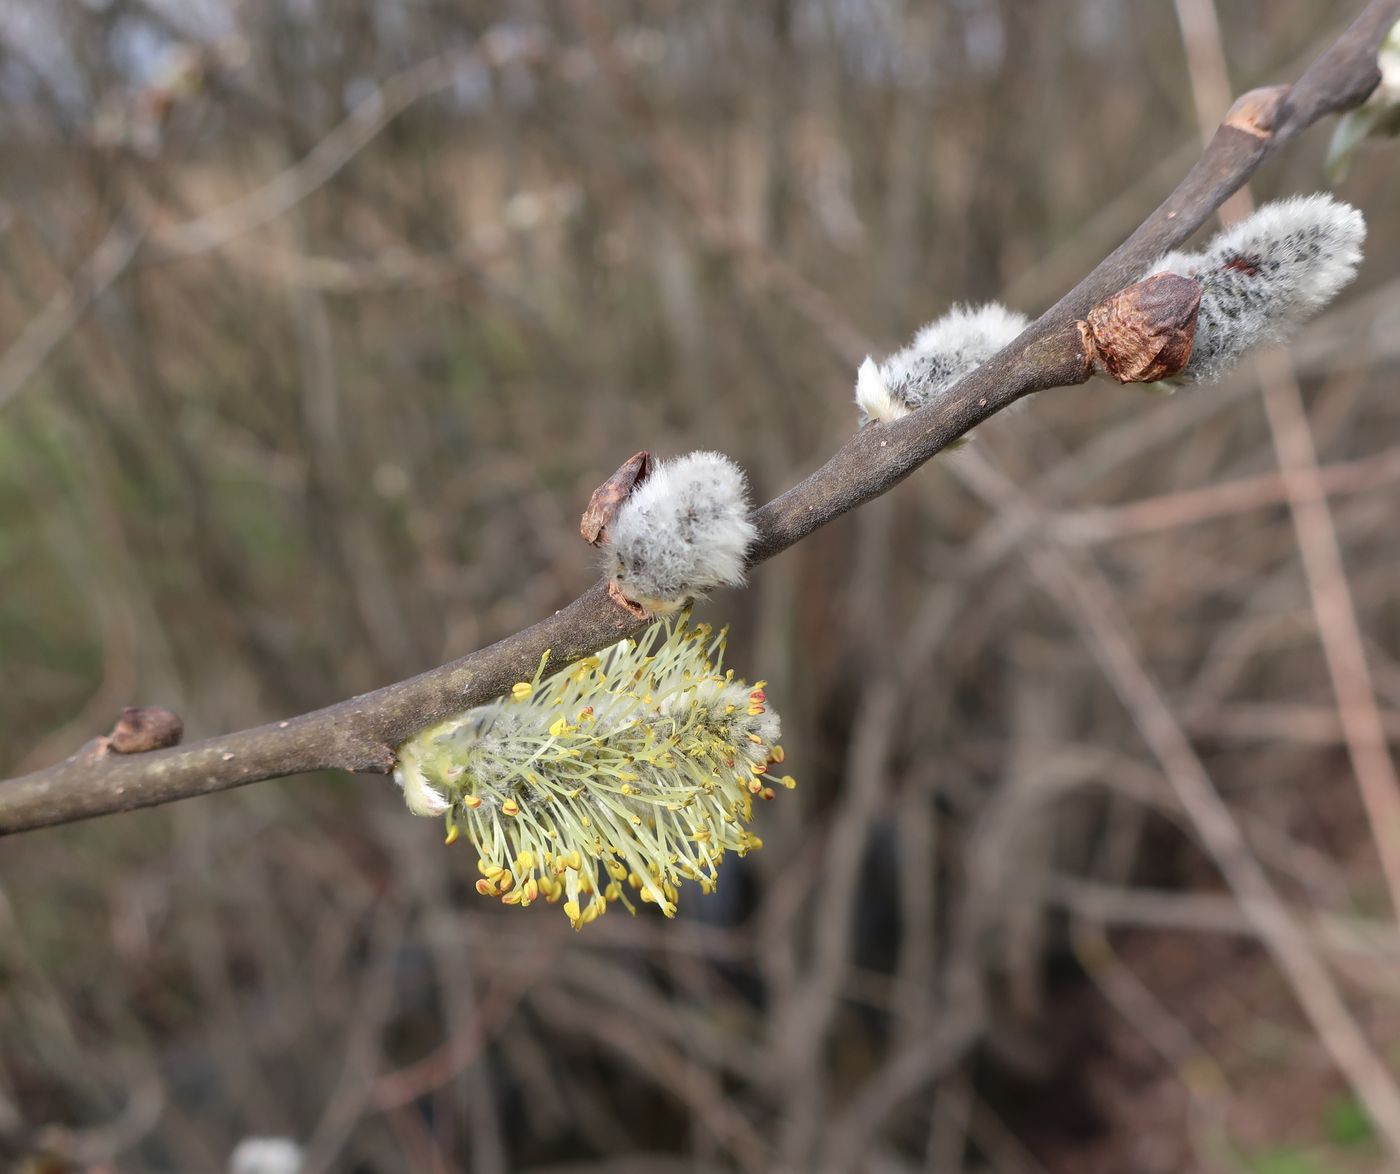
column 942, row 353
column 1266, row 274
column 680, row 533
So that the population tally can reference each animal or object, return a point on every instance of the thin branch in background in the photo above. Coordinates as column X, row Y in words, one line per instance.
column 48, row 329
column 1190, row 507
column 1089, row 602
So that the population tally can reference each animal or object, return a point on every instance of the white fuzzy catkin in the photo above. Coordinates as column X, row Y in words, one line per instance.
column 266, row 1155
column 942, row 353
column 682, row 532
column 1266, row 274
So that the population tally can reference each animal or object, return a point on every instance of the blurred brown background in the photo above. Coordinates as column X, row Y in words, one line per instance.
column 320, row 319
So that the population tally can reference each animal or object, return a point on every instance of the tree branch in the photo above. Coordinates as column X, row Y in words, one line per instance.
column 360, row 734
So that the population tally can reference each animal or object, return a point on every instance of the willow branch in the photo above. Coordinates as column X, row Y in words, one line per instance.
column 361, row 734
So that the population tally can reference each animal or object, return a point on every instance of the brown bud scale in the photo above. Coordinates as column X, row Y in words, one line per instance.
column 607, row 499
column 1145, row 332
column 145, row 728
column 630, row 606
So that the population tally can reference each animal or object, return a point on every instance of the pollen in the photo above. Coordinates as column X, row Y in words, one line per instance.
column 649, row 787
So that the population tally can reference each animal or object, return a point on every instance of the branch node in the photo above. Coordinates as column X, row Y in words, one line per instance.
column 631, row 607
column 381, row 759
column 1259, row 111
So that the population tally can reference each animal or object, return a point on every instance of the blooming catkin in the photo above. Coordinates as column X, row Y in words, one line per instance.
column 942, row 353
column 683, row 531
column 1265, row 275
column 632, row 770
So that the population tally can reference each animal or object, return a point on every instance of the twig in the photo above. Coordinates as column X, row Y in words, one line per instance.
column 360, row 734
column 1188, row 507
column 1088, row 601
column 56, row 321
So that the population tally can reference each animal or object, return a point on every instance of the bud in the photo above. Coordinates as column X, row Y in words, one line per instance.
column 145, row 728
column 942, row 353
column 1145, row 332
column 681, row 532
column 1260, row 278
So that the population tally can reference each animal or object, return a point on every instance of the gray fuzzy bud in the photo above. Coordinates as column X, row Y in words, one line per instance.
column 1263, row 276
column 683, row 531
column 942, row 353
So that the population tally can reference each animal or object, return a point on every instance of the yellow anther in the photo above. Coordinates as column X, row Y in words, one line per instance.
column 777, row 754
column 559, row 728
column 788, row 781
column 574, row 860
column 488, row 867
column 525, row 861
column 472, row 801
column 532, row 890
column 521, row 690
column 510, row 807
column 452, row 833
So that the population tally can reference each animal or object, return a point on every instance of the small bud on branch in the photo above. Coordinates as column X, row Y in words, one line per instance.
column 1145, row 332
column 679, row 533
column 942, row 353
column 139, row 729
